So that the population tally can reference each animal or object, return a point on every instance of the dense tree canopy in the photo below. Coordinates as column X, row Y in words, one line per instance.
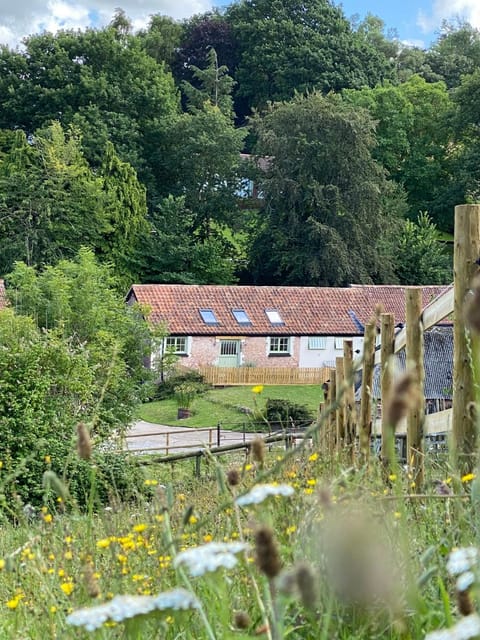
column 325, row 196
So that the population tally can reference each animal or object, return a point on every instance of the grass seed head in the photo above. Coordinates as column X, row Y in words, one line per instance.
column 472, row 306
column 403, row 396
column 465, row 603
column 242, row 620
column 305, row 579
column 258, row 450
column 266, row 551
column 233, row 477
column 91, row 582
column 84, row 444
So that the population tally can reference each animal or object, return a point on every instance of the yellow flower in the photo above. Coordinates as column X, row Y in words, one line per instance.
column 192, row 520
column 248, row 467
column 313, row 457
column 258, row 388
column 311, row 482
column 14, row 602
column 150, row 483
column 138, row 528
column 207, row 538
column 2, row 564
column 67, row 587
column 392, row 477
column 68, row 555
column 397, row 515
column 47, row 517
column 290, row 530
column 468, row 477
column 104, row 543
column 48, row 459
column 53, row 609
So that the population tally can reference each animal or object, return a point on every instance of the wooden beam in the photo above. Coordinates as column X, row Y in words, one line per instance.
column 387, row 328
column 367, row 384
column 465, row 267
column 350, row 411
column 340, row 409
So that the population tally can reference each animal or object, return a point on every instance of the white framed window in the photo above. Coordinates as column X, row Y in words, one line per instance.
column 279, row 346
column 339, row 343
column 274, row 316
column 317, row 342
column 177, row 345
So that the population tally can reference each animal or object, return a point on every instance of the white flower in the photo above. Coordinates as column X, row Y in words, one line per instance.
column 123, row 607
column 461, row 560
column 465, row 581
column 466, row 629
column 261, row 492
column 210, row 557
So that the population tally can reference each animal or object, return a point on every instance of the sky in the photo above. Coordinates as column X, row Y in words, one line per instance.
column 415, row 21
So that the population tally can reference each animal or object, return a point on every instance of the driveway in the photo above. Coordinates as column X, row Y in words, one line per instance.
column 148, row 437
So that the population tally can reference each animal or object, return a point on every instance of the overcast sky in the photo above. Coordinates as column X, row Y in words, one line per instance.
column 416, row 21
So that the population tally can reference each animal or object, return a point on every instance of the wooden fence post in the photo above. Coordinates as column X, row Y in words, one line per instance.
column 465, row 267
column 340, row 395
column 349, row 412
column 387, row 364
column 367, row 388
column 414, row 361
column 332, row 423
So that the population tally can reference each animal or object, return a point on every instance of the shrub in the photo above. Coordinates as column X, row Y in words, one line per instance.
column 282, row 414
column 190, row 377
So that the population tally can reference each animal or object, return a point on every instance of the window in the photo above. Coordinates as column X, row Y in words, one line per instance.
column 274, row 316
column 339, row 343
column 241, row 316
column 177, row 344
column 208, row 316
column 279, row 346
column 317, row 342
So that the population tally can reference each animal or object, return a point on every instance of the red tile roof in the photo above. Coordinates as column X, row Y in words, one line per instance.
column 304, row 310
column 3, row 297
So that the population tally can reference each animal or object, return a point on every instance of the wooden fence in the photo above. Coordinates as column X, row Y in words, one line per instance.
column 342, row 429
column 263, row 375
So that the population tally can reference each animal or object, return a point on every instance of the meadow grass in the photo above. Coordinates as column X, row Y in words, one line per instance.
column 227, row 405
column 351, row 554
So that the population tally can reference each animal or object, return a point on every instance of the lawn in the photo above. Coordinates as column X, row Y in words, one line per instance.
column 230, row 406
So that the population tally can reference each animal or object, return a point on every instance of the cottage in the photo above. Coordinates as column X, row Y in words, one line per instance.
column 250, row 326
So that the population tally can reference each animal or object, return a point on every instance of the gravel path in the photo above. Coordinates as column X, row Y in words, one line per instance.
column 149, row 437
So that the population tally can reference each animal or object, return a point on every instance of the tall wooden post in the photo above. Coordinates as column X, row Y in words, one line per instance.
column 350, row 412
column 387, row 364
column 367, row 387
column 465, row 267
column 332, row 427
column 340, row 401
column 414, row 358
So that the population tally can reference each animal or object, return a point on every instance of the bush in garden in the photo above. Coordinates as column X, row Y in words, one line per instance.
column 282, row 414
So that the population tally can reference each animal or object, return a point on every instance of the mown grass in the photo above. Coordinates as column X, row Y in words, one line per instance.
column 371, row 556
column 229, row 405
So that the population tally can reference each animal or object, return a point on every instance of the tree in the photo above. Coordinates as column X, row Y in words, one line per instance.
column 76, row 299
column 292, row 45
column 161, row 39
column 421, row 259
column 456, row 52
column 325, row 197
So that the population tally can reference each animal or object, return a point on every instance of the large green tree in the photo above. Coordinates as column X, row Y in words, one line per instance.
column 292, row 45
column 327, row 203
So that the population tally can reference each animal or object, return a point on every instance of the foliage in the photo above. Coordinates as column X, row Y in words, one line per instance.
column 322, row 205
column 283, row 414
column 178, row 378
column 186, row 392
column 421, row 258
column 77, row 299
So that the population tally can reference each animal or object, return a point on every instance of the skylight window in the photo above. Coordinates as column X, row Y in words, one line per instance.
column 241, row 316
column 208, row 316
column 274, row 316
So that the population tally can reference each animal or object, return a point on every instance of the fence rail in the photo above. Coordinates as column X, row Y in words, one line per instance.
column 264, row 375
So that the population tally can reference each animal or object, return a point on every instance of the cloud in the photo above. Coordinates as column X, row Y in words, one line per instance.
column 19, row 18
column 448, row 9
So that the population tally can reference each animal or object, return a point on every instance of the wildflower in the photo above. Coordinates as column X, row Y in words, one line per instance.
column 313, row 457
column 462, row 560
column 257, row 389
column 2, row 564
column 84, row 445
column 266, row 552
column 210, row 557
column 47, row 517
column 150, row 483
column 392, row 477
column 104, row 543
column 124, row 607
column 466, row 629
column 48, row 459
column 15, row 601
column 261, row 492
column 67, row 588
column 139, row 528
column 468, row 477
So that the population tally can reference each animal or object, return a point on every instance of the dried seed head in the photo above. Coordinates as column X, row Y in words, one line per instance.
column 84, row 445
column 464, row 602
column 242, row 620
column 403, row 396
column 306, row 585
column 52, row 481
column 91, row 582
column 233, row 477
column 267, row 556
column 258, row 450
column 472, row 306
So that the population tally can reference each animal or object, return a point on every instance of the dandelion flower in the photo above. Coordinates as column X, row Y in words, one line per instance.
column 468, row 477
column 257, row 389
column 261, row 492
column 466, row 629
column 124, row 607
column 210, row 557
column 462, row 560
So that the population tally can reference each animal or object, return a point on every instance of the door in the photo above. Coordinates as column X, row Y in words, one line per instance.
column 229, row 353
